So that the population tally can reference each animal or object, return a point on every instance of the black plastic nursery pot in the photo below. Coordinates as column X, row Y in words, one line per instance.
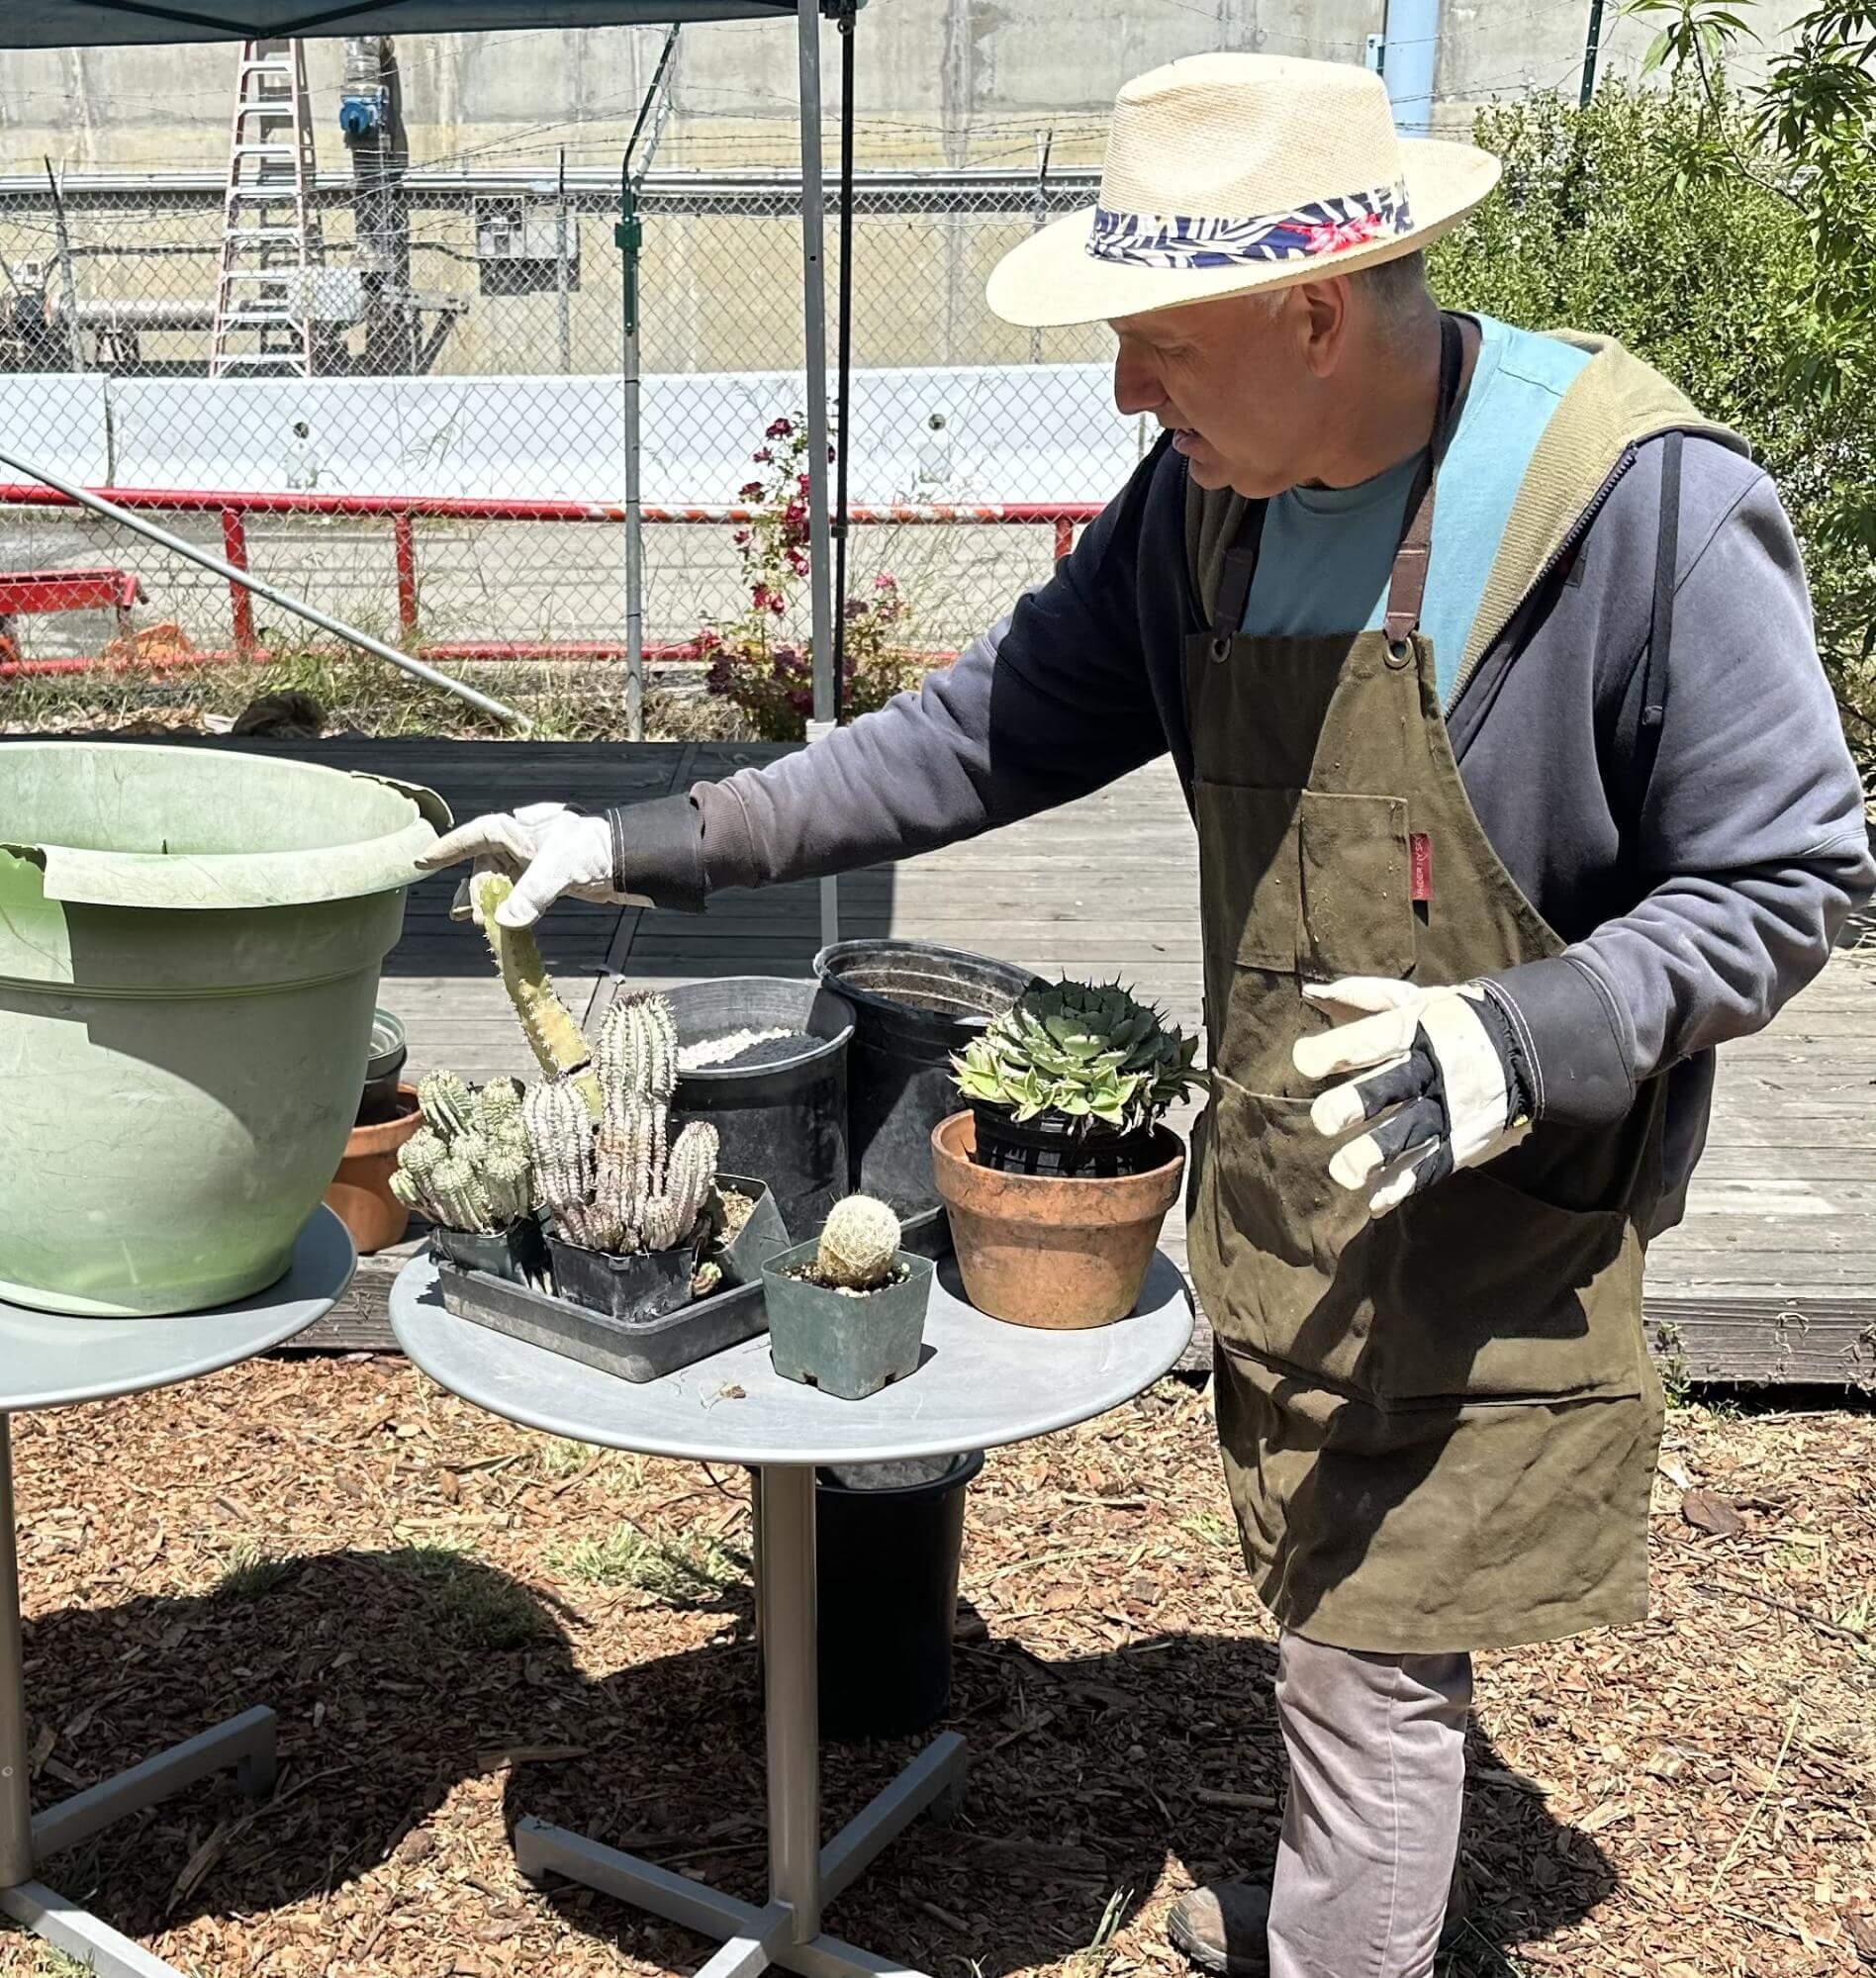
column 781, row 1118
column 1053, row 1145
column 641, row 1288
column 846, row 1344
column 914, row 1004
column 890, row 1538
column 517, row 1254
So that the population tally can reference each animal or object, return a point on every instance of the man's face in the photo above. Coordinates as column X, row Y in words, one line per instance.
column 1233, row 380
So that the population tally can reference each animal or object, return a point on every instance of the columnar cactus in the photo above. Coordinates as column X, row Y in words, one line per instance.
column 553, row 1033
column 560, row 1138
column 859, row 1245
column 468, row 1168
column 618, row 1183
column 446, row 1101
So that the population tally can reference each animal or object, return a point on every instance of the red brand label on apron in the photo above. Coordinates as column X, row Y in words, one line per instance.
column 1420, row 846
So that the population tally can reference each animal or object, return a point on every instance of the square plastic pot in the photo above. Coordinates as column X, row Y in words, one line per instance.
column 763, row 1235
column 847, row 1345
column 516, row 1254
column 641, row 1288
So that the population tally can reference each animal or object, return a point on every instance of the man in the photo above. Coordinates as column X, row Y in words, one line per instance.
column 1512, row 804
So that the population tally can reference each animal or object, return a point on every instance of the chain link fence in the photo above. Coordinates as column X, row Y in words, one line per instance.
column 448, row 473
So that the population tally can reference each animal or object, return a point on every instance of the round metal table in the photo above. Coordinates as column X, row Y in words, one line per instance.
column 49, row 1361
column 980, row 1384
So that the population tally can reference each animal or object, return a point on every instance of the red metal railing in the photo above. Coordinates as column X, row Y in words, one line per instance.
column 404, row 512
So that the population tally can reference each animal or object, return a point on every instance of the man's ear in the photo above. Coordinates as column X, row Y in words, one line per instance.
column 1321, row 312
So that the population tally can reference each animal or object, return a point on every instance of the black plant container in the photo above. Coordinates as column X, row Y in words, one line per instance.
column 517, row 1254
column 641, row 1288
column 1057, row 1147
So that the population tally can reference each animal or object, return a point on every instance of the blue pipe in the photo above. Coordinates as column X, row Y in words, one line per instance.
column 1410, row 61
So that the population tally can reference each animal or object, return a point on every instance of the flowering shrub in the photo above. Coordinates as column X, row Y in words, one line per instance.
column 772, row 678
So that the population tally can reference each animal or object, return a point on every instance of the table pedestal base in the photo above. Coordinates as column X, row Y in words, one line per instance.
column 245, row 1742
column 756, row 1937
column 802, row 1874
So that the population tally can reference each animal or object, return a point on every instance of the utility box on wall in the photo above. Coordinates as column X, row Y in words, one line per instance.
column 520, row 244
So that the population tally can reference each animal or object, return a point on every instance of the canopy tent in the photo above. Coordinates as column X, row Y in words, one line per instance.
column 71, row 23
column 64, row 23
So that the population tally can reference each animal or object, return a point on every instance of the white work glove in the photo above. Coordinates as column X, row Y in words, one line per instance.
column 547, row 849
column 1440, row 1075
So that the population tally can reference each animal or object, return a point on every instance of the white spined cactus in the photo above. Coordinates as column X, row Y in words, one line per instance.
column 468, row 1168
column 859, row 1245
column 560, row 1139
column 446, row 1103
column 619, row 1185
column 690, row 1176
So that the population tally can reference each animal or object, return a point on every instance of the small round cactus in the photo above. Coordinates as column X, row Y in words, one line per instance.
column 859, row 1245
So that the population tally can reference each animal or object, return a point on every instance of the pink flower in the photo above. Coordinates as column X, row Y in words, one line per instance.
column 741, row 538
column 781, row 429
column 885, row 581
column 751, row 490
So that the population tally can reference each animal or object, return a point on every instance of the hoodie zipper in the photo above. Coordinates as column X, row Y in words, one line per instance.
column 1564, row 551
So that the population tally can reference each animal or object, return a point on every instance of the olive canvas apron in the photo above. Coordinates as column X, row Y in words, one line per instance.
column 1440, row 1426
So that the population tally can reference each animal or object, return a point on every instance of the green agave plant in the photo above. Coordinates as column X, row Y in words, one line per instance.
column 1086, row 1050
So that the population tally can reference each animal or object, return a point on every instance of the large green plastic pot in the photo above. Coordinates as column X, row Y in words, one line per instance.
column 190, row 943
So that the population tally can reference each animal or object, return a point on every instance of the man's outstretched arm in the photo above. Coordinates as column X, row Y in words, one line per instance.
column 1049, row 705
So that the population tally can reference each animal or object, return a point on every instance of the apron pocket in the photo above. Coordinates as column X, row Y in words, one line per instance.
column 1277, row 1249
column 1491, row 1293
column 1249, row 877
column 1357, row 890
column 1472, row 1291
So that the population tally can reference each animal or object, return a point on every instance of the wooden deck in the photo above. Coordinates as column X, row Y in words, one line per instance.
column 1772, row 1275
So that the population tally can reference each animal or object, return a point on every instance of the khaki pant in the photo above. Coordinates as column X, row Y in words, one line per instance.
column 1377, row 1747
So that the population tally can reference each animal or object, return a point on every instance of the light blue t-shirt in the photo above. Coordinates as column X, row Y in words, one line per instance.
column 1327, row 553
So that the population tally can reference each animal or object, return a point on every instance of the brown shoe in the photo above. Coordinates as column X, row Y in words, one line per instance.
column 1224, row 1929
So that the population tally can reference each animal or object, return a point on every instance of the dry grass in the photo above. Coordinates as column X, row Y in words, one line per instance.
column 399, row 1574
column 575, row 700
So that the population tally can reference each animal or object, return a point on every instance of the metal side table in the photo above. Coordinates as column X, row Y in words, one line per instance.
column 52, row 1362
column 980, row 1383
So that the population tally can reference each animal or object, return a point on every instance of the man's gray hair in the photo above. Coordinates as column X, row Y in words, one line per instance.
column 1396, row 289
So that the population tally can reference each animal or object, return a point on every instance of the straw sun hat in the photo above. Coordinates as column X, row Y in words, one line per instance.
column 1228, row 172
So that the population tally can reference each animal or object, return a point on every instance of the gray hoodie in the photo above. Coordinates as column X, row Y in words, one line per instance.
column 1698, row 871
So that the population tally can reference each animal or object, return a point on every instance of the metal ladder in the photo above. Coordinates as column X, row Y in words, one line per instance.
column 270, row 229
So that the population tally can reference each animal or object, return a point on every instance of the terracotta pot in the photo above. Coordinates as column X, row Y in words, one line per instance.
column 360, row 1195
column 1040, row 1250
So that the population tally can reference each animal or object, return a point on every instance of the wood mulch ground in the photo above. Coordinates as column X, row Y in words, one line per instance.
column 459, row 1623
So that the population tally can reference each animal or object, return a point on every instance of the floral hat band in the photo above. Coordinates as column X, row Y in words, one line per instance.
column 1323, row 226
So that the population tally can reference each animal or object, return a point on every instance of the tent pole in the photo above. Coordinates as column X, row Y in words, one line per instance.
column 815, row 323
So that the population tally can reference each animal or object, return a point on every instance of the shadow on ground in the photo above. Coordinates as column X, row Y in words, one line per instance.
column 397, row 1675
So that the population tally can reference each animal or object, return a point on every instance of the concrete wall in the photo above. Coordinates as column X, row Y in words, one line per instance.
column 961, row 82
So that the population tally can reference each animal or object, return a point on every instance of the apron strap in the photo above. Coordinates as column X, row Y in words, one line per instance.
column 1237, row 574
column 1407, row 588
